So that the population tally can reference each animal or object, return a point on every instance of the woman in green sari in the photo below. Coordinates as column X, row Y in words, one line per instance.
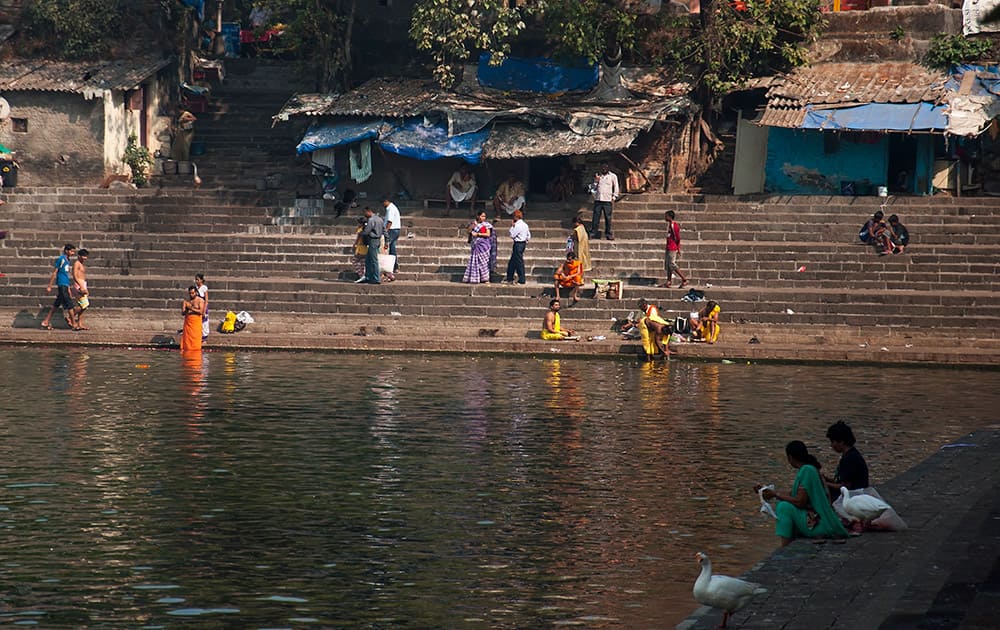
column 806, row 512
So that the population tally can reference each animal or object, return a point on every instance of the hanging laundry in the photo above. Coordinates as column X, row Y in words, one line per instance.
column 323, row 162
column 361, row 161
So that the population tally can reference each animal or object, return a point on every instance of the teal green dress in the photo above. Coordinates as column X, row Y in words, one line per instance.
column 817, row 519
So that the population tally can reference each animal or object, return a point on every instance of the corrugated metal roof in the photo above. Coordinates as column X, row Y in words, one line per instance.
column 522, row 141
column 521, row 125
column 403, row 98
column 77, row 77
column 383, row 96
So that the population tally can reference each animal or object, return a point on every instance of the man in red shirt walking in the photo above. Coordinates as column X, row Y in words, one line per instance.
column 673, row 250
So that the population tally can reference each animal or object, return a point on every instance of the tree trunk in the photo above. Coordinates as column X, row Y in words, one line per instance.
column 347, row 67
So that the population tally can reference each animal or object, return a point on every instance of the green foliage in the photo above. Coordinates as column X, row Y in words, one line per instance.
column 75, row 29
column 670, row 41
column 318, row 33
column 590, row 28
column 769, row 36
column 949, row 50
column 139, row 160
column 897, row 33
column 452, row 29
column 730, row 47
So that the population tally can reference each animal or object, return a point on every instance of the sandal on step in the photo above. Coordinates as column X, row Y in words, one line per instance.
column 46, row 326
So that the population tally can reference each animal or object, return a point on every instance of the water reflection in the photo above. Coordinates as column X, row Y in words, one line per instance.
column 144, row 488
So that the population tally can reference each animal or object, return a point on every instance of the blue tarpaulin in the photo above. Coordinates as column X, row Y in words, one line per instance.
column 986, row 80
column 536, row 75
column 879, row 117
column 414, row 139
column 334, row 134
column 197, row 5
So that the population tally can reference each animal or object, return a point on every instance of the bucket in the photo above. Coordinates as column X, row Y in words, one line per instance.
column 883, row 191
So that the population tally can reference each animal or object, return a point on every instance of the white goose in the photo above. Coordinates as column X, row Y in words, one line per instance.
column 862, row 507
column 723, row 592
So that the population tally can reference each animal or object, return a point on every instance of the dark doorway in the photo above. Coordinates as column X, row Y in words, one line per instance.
column 902, row 162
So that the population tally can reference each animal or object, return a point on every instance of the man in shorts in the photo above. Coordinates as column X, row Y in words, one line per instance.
column 80, row 291
column 62, row 269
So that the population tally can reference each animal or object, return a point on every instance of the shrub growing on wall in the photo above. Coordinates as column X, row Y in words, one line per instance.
column 950, row 50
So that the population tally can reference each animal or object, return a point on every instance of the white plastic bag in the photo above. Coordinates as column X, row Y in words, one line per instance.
column 244, row 317
column 386, row 263
column 765, row 507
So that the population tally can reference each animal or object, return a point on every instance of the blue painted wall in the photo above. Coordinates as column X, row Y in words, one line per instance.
column 803, row 162
column 809, row 162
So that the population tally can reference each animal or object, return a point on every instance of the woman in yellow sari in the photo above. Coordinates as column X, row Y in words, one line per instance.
column 192, row 310
column 581, row 242
column 654, row 330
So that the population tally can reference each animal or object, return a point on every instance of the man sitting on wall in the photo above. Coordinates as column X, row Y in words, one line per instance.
column 509, row 197
column 461, row 187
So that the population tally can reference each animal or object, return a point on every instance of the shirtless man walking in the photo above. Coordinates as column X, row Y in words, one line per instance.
column 82, row 294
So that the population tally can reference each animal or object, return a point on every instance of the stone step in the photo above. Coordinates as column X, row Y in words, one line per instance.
column 514, row 315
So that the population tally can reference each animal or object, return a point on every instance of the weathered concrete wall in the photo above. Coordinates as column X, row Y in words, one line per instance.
column 901, row 33
column 64, row 139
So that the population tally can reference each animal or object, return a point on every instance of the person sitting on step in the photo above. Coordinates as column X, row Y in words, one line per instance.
column 509, row 197
column 900, row 235
column 461, row 187
column 569, row 275
column 552, row 329
column 705, row 323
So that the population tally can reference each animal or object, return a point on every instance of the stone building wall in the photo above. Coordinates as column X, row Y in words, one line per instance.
column 64, row 139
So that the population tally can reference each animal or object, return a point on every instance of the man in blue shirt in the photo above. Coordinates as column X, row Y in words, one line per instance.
column 61, row 276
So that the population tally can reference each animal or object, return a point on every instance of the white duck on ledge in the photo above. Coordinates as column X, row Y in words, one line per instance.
column 720, row 591
column 862, row 507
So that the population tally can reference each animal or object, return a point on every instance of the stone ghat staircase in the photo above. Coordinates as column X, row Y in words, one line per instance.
column 243, row 151
column 936, row 303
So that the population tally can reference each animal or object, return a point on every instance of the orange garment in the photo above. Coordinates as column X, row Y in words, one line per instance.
column 573, row 276
column 191, row 335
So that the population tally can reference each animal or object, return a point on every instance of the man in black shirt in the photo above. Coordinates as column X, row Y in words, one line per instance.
column 900, row 235
column 852, row 471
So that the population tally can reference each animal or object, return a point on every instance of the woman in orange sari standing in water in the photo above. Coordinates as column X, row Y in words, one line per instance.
column 192, row 310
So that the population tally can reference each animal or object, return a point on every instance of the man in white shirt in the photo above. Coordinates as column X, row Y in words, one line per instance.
column 393, row 224
column 461, row 187
column 606, row 192
column 520, row 234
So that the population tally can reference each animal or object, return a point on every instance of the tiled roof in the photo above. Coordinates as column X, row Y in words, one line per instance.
column 832, row 85
column 859, row 83
column 77, row 77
